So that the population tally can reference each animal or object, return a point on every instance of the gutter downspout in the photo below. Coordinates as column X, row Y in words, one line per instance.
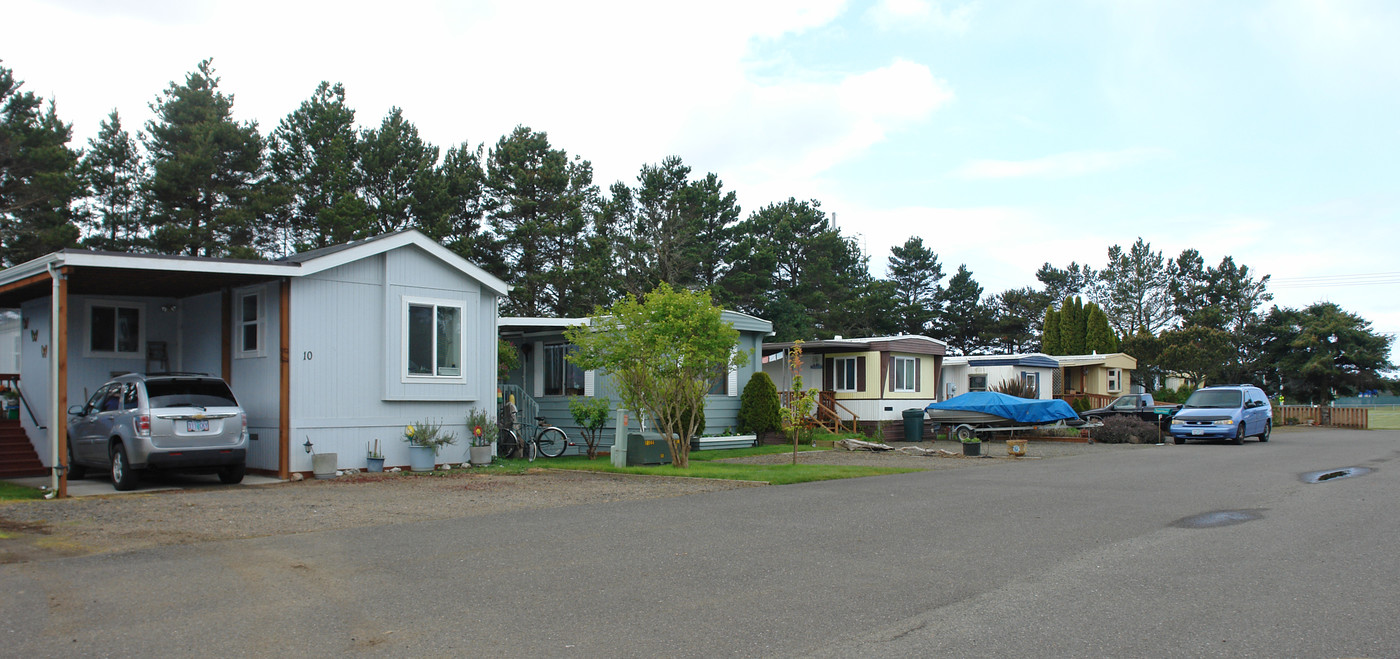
column 55, row 276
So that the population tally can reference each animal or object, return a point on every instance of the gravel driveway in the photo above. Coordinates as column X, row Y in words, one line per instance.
column 35, row 530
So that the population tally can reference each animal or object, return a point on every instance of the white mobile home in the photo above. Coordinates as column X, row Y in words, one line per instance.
column 333, row 347
column 986, row 372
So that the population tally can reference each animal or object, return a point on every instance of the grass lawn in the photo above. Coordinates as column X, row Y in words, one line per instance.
column 12, row 492
column 1384, row 418
column 702, row 465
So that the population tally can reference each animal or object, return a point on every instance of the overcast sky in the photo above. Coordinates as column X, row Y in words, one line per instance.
column 1005, row 133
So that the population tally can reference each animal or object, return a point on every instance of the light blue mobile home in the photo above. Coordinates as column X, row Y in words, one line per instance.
column 334, row 347
column 545, row 380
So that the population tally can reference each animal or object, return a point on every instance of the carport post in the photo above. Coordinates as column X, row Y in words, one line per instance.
column 58, row 382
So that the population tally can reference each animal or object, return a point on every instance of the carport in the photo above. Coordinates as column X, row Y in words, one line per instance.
column 153, row 285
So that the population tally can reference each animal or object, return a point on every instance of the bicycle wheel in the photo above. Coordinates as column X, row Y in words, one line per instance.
column 552, row 442
column 506, row 444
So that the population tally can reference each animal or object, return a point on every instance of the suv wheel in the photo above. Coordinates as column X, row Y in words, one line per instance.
column 76, row 472
column 1268, row 428
column 123, row 476
column 232, row 474
column 1239, row 436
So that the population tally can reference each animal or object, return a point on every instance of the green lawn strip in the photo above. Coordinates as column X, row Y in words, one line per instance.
column 1384, row 419
column 12, row 492
column 780, row 474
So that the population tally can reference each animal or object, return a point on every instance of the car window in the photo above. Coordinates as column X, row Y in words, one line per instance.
column 1215, row 399
column 95, row 402
column 112, row 401
column 130, row 399
column 189, row 393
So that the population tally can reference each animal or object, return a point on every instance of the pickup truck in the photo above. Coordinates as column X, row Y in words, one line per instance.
column 1139, row 405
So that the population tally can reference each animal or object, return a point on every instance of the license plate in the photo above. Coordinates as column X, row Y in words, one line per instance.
column 1198, row 432
column 197, row 426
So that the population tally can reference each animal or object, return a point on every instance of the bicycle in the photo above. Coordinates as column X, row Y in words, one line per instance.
column 549, row 441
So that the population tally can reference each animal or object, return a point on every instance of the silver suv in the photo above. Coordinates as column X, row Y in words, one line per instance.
column 187, row 422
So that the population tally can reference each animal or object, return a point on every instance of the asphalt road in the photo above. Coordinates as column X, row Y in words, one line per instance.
column 1098, row 555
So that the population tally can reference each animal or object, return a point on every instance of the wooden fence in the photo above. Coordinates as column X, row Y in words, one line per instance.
column 1095, row 400
column 1338, row 417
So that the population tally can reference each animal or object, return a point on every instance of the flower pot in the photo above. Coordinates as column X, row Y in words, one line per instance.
column 421, row 458
column 480, row 455
column 323, row 465
column 972, row 448
column 375, row 465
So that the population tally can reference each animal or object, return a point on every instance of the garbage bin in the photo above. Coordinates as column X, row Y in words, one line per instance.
column 913, row 425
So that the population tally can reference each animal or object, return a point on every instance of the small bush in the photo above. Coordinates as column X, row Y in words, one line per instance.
column 1081, row 405
column 759, row 405
column 1017, row 388
column 1125, row 430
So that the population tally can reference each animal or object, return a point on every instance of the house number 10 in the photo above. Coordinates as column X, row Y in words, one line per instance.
column 306, row 356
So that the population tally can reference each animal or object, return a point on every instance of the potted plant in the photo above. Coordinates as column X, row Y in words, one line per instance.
column 483, row 429
column 972, row 444
column 375, row 461
column 424, row 439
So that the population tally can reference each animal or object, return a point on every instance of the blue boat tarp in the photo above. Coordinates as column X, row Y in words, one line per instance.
column 1020, row 410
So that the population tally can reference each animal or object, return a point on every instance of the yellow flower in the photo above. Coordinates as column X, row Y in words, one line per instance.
column 408, row 431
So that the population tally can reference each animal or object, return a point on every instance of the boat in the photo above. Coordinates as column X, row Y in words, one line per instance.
column 996, row 411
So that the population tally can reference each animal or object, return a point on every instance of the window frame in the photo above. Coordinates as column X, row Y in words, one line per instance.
column 840, row 373
column 239, row 323
column 901, row 365
column 404, row 339
column 1114, row 380
column 565, row 365
column 973, row 376
column 141, row 320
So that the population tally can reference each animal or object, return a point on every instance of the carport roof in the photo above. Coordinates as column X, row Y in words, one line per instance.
column 116, row 273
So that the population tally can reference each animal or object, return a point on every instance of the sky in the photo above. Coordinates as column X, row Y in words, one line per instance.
column 1006, row 134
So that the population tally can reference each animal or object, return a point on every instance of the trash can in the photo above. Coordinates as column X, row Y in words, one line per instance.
column 913, row 425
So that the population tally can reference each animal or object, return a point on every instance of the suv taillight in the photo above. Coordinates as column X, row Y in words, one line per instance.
column 244, row 417
column 143, row 424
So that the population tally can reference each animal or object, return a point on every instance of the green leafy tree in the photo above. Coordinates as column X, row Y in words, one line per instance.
column 590, row 415
column 313, row 161
column 1050, row 343
column 1198, row 354
column 1322, row 352
column 205, row 168
column 759, row 406
column 39, row 177
column 917, row 275
column 663, row 350
column 1136, row 288
column 1016, row 319
column 112, row 168
column 538, row 202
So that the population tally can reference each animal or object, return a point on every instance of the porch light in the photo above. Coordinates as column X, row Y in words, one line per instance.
column 307, row 445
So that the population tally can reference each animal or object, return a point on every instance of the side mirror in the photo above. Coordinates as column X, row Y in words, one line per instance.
column 76, row 410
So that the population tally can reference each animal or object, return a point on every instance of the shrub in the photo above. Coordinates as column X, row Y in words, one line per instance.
column 429, row 434
column 758, row 406
column 478, row 418
column 1125, row 430
column 1017, row 388
column 1081, row 405
column 590, row 415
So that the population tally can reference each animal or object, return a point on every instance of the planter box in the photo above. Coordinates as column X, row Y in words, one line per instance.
column 421, row 458
column 716, row 443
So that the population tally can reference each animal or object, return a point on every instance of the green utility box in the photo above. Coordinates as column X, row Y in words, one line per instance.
column 647, row 450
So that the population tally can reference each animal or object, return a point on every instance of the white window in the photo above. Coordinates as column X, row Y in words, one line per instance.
column 1031, row 382
column 905, row 372
column 432, row 338
column 248, row 321
column 846, row 378
column 977, row 383
column 1115, row 379
column 561, row 377
column 115, row 329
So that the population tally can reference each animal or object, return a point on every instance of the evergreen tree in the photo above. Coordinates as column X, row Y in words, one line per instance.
column 1062, row 283
column 917, row 276
column 204, row 170
column 1098, row 336
column 1016, row 319
column 398, row 171
column 1237, row 295
column 677, row 230
column 456, row 217
column 1190, row 287
column 1136, row 288
column 113, row 212
column 538, row 203
column 966, row 319
column 38, row 176
column 1072, row 326
column 1322, row 352
column 315, row 181
column 1050, row 343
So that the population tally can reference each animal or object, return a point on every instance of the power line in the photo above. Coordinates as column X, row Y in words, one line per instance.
column 1363, row 279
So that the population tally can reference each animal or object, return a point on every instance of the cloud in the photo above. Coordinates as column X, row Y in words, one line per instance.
column 1061, row 165
column 921, row 14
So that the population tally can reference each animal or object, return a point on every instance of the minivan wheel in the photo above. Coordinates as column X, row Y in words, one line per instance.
column 1239, row 436
column 123, row 476
column 232, row 474
column 76, row 472
column 1268, row 428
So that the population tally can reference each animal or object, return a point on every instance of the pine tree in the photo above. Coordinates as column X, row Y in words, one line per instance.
column 1072, row 326
column 113, row 213
column 398, row 170
column 916, row 274
column 38, row 176
column 1098, row 337
column 204, row 170
column 966, row 320
column 315, row 182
